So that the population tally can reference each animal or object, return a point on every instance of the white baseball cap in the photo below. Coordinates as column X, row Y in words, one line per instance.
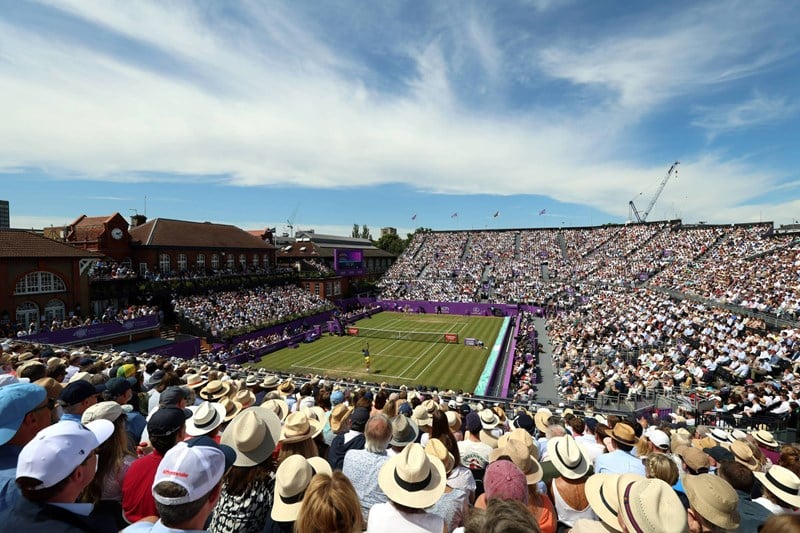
column 57, row 450
column 658, row 438
column 197, row 465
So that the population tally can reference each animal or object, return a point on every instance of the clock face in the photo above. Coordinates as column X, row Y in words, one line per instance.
column 116, row 233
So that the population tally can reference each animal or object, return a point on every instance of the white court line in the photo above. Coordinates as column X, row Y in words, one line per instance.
column 418, row 358
column 435, row 357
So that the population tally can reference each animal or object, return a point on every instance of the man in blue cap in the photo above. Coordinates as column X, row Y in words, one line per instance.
column 120, row 390
column 24, row 411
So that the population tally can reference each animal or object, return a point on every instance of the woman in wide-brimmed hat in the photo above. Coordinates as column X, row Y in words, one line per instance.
column 247, row 489
column 568, row 491
column 215, row 390
column 292, row 480
column 412, row 482
column 454, row 502
column 297, row 436
column 780, row 489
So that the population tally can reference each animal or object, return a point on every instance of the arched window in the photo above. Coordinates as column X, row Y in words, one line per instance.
column 215, row 261
column 230, row 261
column 164, row 264
column 182, row 263
column 54, row 310
column 255, row 260
column 40, row 283
column 243, row 261
column 28, row 312
column 201, row 261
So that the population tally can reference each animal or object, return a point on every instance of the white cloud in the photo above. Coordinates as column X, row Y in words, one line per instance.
column 284, row 107
column 759, row 110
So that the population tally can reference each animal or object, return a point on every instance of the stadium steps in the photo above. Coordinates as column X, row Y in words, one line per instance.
column 517, row 241
column 168, row 332
column 562, row 243
column 420, row 247
column 465, row 251
column 547, row 379
column 759, row 255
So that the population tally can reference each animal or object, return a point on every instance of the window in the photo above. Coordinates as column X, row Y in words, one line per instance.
column 54, row 310
column 39, row 283
column 337, row 288
column 142, row 269
column 230, row 261
column 201, row 261
column 28, row 312
column 255, row 260
column 215, row 261
column 243, row 261
column 316, row 288
column 164, row 263
column 182, row 263
column 266, row 260
column 328, row 288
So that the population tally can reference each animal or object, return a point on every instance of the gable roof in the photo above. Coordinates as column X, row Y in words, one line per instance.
column 183, row 233
column 17, row 243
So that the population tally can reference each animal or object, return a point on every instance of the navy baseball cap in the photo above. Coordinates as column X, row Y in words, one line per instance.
column 172, row 396
column 167, row 420
column 119, row 386
column 77, row 391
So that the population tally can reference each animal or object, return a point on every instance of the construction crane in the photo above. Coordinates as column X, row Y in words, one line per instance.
column 643, row 217
column 290, row 221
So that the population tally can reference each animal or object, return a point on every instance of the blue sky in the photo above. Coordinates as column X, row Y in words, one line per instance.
column 333, row 113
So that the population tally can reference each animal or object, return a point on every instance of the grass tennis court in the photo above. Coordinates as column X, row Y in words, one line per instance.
column 398, row 361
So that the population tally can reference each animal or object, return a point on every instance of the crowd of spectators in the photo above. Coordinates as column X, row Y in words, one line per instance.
column 110, row 314
column 106, row 442
column 223, row 312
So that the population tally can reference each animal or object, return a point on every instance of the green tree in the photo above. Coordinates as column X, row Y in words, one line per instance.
column 365, row 232
column 392, row 244
column 355, row 233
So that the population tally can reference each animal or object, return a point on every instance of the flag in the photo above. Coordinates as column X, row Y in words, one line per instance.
column 543, row 211
column 414, row 217
column 454, row 215
column 496, row 214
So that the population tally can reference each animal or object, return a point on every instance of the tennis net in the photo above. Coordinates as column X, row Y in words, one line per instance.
column 421, row 336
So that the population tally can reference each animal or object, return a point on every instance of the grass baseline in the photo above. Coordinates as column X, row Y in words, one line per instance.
column 404, row 361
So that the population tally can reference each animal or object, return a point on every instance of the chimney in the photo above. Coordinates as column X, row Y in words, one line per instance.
column 138, row 220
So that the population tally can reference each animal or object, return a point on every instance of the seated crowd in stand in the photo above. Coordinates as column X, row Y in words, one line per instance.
column 109, row 442
column 111, row 314
column 248, row 309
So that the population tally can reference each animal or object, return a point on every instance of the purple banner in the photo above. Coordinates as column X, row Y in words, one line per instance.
column 89, row 334
column 185, row 349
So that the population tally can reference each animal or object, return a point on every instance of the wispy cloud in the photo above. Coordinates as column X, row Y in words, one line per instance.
column 276, row 102
column 760, row 110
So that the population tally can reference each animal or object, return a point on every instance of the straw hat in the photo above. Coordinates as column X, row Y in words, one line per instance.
column 299, row 427
column 436, row 448
column 316, row 412
column 214, row 390
column 245, row 397
column 765, row 438
column 339, row 415
column 520, row 456
column 413, row 478
column 286, row 388
column 694, row 458
column 102, row 411
column 714, row 499
column 52, row 387
column 421, row 416
column 291, row 481
column 453, row 420
column 781, row 482
column 253, row 434
column 206, row 418
column 601, row 492
column 270, row 382
column 624, row 434
column 278, row 406
column 195, row 381
column 520, row 435
column 489, row 419
column 232, row 408
column 743, row 454
column 705, row 442
column 541, row 417
column 568, row 456
column 431, row 406
column 404, row 431
column 651, row 505
column 720, row 435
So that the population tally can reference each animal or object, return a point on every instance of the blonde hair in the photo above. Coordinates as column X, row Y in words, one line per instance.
column 660, row 466
column 330, row 504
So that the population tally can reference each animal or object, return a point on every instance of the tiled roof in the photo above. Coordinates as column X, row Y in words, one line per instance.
column 167, row 232
column 294, row 250
column 16, row 243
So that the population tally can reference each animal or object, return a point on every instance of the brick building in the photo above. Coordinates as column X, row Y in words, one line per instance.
column 41, row 279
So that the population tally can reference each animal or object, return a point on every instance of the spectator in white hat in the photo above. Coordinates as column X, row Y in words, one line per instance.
column 187, row 486
column 52, row 470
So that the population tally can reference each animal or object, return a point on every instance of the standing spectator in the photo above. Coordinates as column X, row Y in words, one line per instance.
column 24, row 411
column 166, row 428
column 330, row 504
column 187, row 486
column 362, row 466
column 248, row 488
column 52, row 470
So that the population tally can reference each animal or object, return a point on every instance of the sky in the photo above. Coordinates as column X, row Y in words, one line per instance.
column 446, row 115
